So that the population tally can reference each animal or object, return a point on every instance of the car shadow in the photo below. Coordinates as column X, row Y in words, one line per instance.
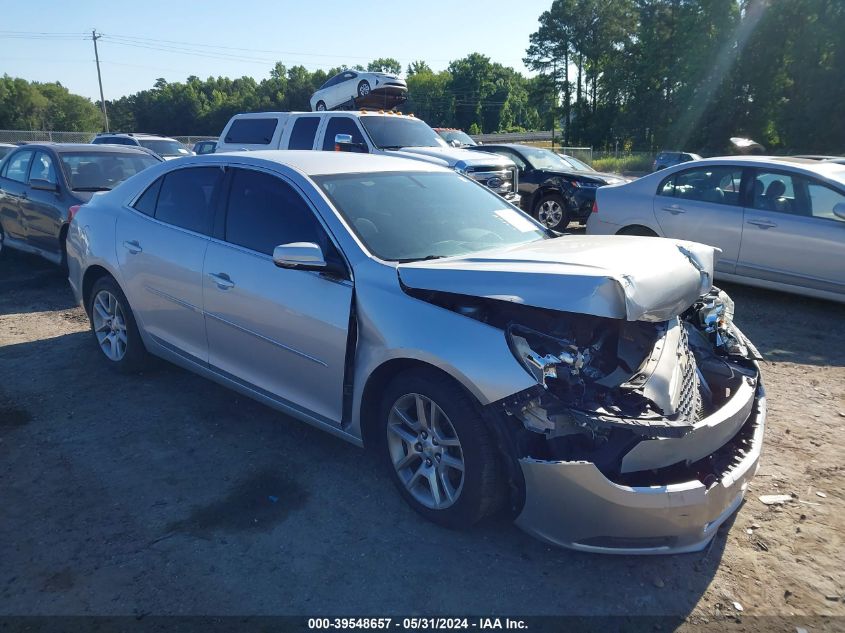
column 31, row 284
column 788, row 328
column 176, row 477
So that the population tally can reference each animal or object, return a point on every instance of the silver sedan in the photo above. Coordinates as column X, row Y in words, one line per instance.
column 778, row 222
column 594, row 388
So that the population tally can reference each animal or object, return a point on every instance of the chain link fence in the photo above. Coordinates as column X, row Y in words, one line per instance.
column 41, row 136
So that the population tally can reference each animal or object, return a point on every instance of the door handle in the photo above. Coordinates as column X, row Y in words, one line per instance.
column 674, row 209
column 222, row 280
column 133, row 247
column 763, row 224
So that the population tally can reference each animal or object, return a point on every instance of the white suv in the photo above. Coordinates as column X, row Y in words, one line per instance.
column 164, row 146
column 387, row 133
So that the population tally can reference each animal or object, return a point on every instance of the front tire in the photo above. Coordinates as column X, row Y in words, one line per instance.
column 363, row 88
column 551, row 210
column 440, row 454
column 114, row 327
column 321, row 106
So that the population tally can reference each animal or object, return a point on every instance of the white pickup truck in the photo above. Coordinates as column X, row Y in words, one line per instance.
column 388, row 133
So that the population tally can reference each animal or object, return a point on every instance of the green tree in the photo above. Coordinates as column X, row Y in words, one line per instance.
column 385, row 65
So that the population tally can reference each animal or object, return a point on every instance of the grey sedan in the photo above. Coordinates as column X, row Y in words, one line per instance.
column 595, row 389
column 778, row 222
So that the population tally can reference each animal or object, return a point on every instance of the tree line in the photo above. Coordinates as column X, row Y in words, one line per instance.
column 626, row 74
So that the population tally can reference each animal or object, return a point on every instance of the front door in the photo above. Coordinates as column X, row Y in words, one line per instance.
column 13, row 191
column 283, row 331
column 42, row 210
column 791, row 234
column 161, row 246
column 703, row 204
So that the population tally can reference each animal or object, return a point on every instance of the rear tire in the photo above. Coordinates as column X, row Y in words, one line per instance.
column 637, row 230
column 114, row 328
column 321, row 106
column 433, row 437
column 363, row 88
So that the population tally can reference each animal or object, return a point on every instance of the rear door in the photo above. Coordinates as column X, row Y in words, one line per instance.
column 791, row 234
column 13, row 191
column 282, row 331
column 161, row 244
column 703, row 204
column 303, row 132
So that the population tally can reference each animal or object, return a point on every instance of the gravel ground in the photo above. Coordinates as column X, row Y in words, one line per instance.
column 167, row 494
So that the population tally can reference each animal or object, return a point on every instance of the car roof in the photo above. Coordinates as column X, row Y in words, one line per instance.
column 135, row 135
column 827, row 169
column 313, row 163
column 77, row 148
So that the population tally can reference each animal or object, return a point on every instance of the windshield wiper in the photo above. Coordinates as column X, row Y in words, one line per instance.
column 90, row 188
column 394, row 147
column 419, row 259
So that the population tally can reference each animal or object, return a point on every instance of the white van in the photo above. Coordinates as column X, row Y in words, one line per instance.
column 388, row 133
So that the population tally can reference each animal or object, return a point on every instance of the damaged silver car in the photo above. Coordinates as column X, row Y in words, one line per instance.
column 595, row 388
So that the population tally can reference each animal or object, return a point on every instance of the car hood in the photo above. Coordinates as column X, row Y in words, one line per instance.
column 620, row 277
column 452, row 156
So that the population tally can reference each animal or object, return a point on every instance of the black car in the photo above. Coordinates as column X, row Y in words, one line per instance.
column 554, row 189
column 43, row 184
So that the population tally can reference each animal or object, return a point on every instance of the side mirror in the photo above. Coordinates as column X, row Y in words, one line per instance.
column 43, row 185
column 302, row 255
column 839, row 210
column 455, row 142
column 343, row 143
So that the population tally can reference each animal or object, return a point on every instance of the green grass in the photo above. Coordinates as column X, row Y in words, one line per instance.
column 624, row 163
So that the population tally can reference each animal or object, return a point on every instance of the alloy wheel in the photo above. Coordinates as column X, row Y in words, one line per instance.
column 109, row 325
column 550, row 213
column 425, row 451
column 363, row 89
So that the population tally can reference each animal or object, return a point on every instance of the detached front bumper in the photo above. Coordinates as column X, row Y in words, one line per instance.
column 574, row 505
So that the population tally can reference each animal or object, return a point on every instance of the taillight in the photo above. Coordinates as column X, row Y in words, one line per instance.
column 71, row 212
column 595, row 206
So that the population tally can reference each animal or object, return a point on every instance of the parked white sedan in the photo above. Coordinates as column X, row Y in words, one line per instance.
column 779, row 222
column 361, row 90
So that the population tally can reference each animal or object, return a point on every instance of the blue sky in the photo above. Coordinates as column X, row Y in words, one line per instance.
column 317, row 34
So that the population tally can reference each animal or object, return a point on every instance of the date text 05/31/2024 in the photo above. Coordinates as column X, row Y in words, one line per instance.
column 481, row 624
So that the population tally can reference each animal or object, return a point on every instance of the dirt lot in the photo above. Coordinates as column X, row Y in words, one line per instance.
column 166, row 494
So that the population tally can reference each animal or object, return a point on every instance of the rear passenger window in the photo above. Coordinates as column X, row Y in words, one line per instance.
column 341, row 125
column 186, row 198
column 252, row 131
column 265, row 212
column 303, row 133
column 146, row 204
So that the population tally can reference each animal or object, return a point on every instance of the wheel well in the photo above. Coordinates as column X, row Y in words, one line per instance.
column 92, row 275
column 636, row 229
column 376, row 383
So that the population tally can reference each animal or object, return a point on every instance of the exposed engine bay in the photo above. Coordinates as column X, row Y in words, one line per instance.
column 605, row 386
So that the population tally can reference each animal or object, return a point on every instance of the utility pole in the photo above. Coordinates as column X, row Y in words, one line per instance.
column 95, row 37
column 554, row 98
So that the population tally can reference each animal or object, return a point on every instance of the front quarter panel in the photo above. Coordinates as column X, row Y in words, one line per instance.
column 393, row 325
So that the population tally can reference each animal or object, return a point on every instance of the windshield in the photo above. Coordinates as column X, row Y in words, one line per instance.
column 457, row 135
column 166, row 148
column 392, row 132
column 100, row 172
column 409, row 216
column 545, row 159
column 5, row 150
column 577, row 165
